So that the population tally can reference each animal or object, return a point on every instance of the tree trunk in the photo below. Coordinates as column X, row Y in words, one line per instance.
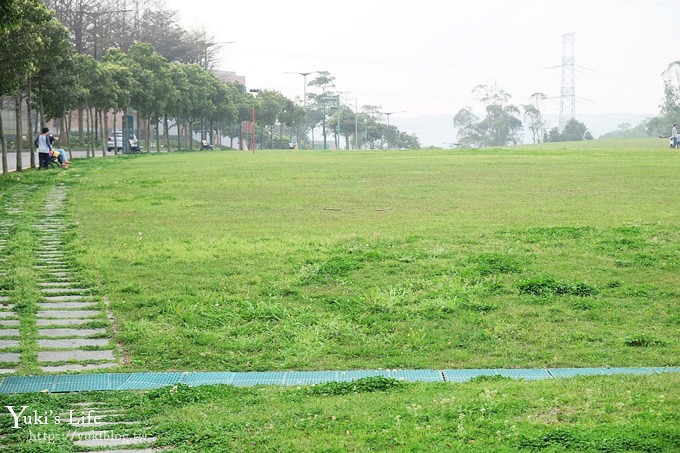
column 102, row 131
column 166, row 132
column 115, row 142
column 29, row 123
column 80, row 124
column 88, row 115
column 67, row 127
column 157, row 129
column 148, row 134
column 3, row 143
column 106, row 128
column 179, row 126
column 17, row 113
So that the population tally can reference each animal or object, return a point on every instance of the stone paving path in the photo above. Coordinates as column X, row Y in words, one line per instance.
column 93, row 425
column 72, row 327
column 67, row 340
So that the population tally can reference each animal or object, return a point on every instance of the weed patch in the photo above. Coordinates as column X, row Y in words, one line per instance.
column 548, row 286
column 643, row 340
column 363, row 385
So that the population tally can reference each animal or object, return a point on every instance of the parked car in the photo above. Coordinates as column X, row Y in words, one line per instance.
column 116, row 141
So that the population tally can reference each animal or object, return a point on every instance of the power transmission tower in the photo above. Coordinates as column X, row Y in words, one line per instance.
column 568, row 93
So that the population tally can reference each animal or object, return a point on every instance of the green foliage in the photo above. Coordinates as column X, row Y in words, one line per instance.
column 573, row 130
column 363, row 385
column 643, row 340
column 500, row 127
column 548, row 286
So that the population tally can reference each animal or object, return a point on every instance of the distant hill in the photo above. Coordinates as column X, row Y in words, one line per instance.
column 438, row 130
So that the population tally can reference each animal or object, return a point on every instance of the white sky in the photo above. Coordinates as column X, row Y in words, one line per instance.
column 426, row 56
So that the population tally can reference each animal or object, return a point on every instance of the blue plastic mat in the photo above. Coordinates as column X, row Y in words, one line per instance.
column 143, row 381
column 466, row 375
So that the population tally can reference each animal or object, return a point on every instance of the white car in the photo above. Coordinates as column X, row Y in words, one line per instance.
column 116, row 141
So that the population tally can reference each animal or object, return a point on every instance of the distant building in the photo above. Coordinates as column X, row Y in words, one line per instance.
column 229, row 77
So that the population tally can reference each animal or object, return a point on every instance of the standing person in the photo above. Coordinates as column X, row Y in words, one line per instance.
column 674, row 136
column 44, row 148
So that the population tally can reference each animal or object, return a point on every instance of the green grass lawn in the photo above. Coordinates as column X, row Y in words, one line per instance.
column 527, row 257
column 560, row 255
column 593, row 414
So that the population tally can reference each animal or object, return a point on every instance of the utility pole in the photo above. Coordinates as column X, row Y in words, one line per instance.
column 568, row 91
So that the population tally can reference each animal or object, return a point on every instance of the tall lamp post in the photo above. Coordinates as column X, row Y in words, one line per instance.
column 304, row 96
column 388, row 122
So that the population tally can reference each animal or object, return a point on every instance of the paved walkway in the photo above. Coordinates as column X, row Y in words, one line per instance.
column 71, row 323
column 26, row 159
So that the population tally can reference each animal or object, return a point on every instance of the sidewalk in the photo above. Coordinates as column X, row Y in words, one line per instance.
column 26, row 159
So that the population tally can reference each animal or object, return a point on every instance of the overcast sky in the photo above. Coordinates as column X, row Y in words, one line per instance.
column 426, row 56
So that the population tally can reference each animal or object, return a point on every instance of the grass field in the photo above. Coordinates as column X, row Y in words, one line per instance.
column 501, row 258
column 554, row 256
column 605, row 414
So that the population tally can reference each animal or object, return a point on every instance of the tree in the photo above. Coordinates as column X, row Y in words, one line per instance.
column 573, row 131
column 20, row 47
column 533, row 116
column 670, row 105
column 501, row 125
column 10, row 14
column 322, row 101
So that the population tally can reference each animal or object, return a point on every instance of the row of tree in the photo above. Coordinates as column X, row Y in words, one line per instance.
column 503, row 125
column 56, row 70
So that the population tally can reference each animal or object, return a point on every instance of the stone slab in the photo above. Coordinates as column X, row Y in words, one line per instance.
column 9, row 332
column 6, row 344
column 5, row 307
column 62, row 289
column 136, row 450
column 64, row 343
column 108, row 439
column 77, row 367
column 74, row 354
column 71, row 298
column 7, row 314
column 7, row 370
column 60, row 284
column 66, row 305
column 70, row 332
column 9, row 322
column 62, row 322
column 9, row 357
column 81, row 314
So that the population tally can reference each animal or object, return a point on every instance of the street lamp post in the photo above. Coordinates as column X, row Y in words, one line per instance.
column 304, row 96
column 388, row 122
